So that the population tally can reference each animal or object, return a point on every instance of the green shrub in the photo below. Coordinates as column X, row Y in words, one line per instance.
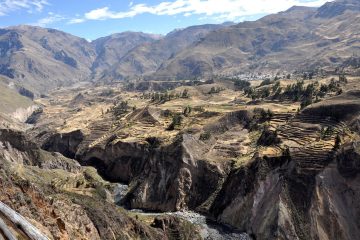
column 205, row 136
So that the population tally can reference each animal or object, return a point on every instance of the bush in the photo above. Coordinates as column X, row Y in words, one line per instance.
column 266, row 82
column 176, row 121
column 187, row 111
column 185, row 94
column 215, row 90
column 121, row 108
column 262, row 116
column 241, row 84
column 205, row 136
column 268, row 137
column 107, row 93
column 199, row 109
column 306, row 102
column 166, row 113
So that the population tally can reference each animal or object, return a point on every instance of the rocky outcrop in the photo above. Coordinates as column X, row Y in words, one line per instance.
column 59, row 197
column 34, row 117
column 64, row 143
column 271, row 200
column 340, row 108
column 176, row 228
column 295, row 193
column 167, row 178
column 251, row 198
column 15, row 147
column 118, row 162
column 335, row 210
column 175, row 178
column 348, row 160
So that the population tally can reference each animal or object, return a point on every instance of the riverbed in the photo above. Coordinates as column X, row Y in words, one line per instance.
column 209, row 229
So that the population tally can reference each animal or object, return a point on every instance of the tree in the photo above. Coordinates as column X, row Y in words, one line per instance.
column 305, row 76
column 265, row 92
column 311, row 75
column 306, row 102
column 342, row 78
column 121, row 108
column 267, row 81
column 276, row 86
column 187, row 111
column 205, row 136
column 241, row 84
column 185, row 93
column 268, row 137
column 212, row 90
column 176, row 121
column 337, row 142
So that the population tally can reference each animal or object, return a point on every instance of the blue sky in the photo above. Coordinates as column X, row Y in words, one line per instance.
column 91, row 19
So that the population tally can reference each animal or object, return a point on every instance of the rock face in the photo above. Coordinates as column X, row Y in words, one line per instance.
column 174, row 170
column 62, row 199
column 174, row 179
column 284, row 205
column 66, row 143
column 348, row 161
column 308, row 191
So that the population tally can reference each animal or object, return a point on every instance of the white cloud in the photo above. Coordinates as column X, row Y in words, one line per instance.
column 7, row 6
column 76, row 20
column 51, row 18
column 227, row 10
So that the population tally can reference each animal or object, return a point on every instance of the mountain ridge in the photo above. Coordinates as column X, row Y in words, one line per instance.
column 275, row 42
column 298, row 39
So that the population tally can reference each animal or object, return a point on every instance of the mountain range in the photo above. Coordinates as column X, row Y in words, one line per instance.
column 299, row 39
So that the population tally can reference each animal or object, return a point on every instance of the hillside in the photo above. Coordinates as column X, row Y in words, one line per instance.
column 10, row 99
column 246, row 131
column 298, row 39
column 42, row 59
column 147, row 58
column 279, row 158
column 111, row 49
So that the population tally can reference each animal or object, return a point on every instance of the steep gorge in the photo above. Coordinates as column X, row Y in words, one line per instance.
column 284, row 197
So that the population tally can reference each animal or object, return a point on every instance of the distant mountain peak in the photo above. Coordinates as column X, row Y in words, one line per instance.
column 336, row 8
column 299, row 8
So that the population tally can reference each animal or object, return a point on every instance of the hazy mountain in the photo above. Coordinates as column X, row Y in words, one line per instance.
column 148, row 57
column 112, row 48
column 298, row 39
column 41, row 59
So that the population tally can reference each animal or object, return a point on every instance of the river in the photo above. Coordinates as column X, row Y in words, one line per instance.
column 210, row 229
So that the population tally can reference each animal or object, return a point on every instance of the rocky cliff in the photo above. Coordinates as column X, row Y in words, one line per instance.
column 305, row 191
column 64, row 200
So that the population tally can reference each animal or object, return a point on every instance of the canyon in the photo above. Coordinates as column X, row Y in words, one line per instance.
column 219, row 131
